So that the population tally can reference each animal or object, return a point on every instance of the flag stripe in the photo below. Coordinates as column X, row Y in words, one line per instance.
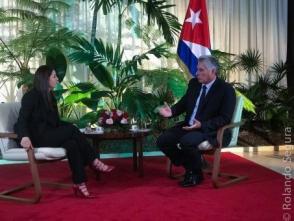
column 188, row 58
column 194, row 40
column 197, row 49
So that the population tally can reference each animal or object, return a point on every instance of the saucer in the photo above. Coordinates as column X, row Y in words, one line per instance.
column 140, row 130
column 82, row 130
column 93, row 132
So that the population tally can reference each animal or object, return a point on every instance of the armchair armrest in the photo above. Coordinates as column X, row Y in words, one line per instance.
column 9, row 135
column 220, row 132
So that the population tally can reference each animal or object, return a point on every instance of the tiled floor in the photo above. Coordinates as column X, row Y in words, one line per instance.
column 278, row 160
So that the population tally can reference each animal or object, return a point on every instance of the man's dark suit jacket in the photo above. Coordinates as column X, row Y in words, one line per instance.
column 35, row 117
column 217, row 110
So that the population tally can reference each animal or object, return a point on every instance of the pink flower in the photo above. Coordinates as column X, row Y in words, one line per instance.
column 119, row 113
column 109, row 121
column 112, row 117
column 124, row 121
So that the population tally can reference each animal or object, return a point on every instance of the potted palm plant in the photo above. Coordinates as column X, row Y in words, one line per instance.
column 118, row 78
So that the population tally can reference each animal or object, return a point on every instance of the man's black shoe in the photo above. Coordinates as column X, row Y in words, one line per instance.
column 191, row 179
column 177, row 162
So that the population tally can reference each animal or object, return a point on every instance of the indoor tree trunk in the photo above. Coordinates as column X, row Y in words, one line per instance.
column 94, row 23
column 119, row 25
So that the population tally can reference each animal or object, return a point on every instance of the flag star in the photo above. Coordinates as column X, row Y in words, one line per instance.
column 194, row 17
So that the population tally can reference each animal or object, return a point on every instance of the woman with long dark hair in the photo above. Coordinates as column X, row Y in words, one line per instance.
column 39, row 125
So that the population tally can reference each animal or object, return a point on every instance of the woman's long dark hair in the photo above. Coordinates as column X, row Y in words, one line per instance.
column 41, row 84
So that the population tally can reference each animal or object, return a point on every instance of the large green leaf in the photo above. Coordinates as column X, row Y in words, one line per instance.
column 79, row 93
column 279, row 69
column 99, row 53
column 156, row 11
column 248, row 105
column 131, row 66
column 99, row 94
column 90, row 117
column 250, row 61
column 91, row 103
column 83, row 51
column 138, row 104
column 84, row 87
column 56, row 59
column 76, row 97
column 166, row 80
column 102, row 74
column 106, row 54
column 94, row 99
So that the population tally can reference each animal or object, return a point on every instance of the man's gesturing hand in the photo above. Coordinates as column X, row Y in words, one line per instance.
column 196, row 125
column 165, row 110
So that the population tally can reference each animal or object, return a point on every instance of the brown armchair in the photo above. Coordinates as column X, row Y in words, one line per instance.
column 206, row 149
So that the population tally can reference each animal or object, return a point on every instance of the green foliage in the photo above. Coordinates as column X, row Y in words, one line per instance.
column 107, row 66
column 119, row 78
column 167, row 22
column 74, row 99
column 250, row 61
column 156, row 11
column 166, row 80
column 227, row 62
column 138, row 104
column 38, row 36
column 102, row 74
column 88, row 118
column 248, row 105
column 271, row 99
column 56, row 59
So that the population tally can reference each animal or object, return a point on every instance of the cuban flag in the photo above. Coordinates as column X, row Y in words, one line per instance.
column 194, row 40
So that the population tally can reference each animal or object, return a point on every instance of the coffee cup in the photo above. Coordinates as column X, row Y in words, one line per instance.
column 135, row 127
column 99, row 129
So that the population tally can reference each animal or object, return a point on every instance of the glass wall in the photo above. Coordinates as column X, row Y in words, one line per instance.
column 235, row 25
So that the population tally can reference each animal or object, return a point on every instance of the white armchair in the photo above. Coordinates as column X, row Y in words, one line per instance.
column 11, row 151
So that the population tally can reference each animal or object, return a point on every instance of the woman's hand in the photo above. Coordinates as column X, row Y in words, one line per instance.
column 26, row 143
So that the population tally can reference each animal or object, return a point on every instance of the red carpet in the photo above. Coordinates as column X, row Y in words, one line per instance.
column 122, row 195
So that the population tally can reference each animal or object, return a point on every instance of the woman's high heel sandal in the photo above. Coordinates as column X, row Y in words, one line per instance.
column 99, row 166
column 80, row 190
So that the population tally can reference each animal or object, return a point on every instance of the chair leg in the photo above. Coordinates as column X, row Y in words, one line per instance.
column 215, row 169
column 35, row 183
column 216, row 174
column 169, row 169
column 7, row 194
column 35, row 175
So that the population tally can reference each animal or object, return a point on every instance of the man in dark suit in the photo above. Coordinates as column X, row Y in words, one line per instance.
column 209, row 104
